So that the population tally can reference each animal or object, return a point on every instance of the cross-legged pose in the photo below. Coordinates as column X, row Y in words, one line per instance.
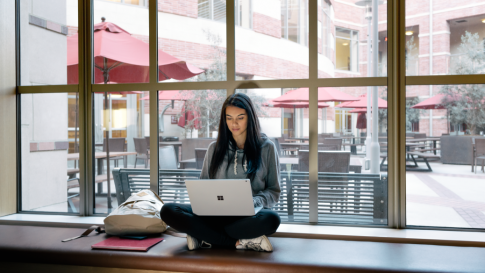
column 241, row 151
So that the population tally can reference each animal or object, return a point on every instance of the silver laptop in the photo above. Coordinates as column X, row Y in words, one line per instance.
column 221, row 197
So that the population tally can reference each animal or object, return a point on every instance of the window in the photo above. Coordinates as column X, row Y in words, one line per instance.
column 347, row 49
column 216, row 10
column 326, row 21
column 244, row 14
column 64, row 119
column 212, row 9
column 294, row 21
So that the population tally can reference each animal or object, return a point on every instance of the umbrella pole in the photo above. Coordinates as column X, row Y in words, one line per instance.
column 108, row 175
column 108, row 127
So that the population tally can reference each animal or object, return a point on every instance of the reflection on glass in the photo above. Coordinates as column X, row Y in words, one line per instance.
column 356, row 190
column 273, row 44
column 192, row 45
column 121, row 130
column 45, row 28
column 445, row 153
column 457, row 32
column 50, row 152
column 121, row 50
column 286, row 124
column 188, row 122
column 346, row 38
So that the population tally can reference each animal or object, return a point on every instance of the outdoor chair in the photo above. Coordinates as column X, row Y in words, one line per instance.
column 116, row 144
column 141, row 150
column 479, row 152
column 334, row 141
column 147, row 138
column 166, row 158
column 417, row 135
column 328, row 161
column 199, row 157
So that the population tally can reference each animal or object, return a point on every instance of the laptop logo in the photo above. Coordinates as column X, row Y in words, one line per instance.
column 220, row 198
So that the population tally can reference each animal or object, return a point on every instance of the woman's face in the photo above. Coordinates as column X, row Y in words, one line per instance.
column 237, row 120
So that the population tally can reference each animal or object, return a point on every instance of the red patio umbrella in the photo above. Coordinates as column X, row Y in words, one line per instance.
column 272, row 103
column 122, row 58
column 361, row 121
column 324, row 94
column 358, row 110
column 362, row 103
column 435, row 102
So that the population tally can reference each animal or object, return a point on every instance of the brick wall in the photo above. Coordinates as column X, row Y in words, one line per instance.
column 266, row 25
column 187, row 8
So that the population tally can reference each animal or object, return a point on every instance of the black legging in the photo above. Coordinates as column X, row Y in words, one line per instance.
column 219, row 230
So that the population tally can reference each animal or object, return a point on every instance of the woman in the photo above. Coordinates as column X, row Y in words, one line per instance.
column 241, row 151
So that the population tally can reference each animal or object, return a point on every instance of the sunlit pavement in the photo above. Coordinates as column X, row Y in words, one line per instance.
column 449, row 196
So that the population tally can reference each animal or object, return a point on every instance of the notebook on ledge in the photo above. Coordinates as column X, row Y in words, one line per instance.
column 117, row 243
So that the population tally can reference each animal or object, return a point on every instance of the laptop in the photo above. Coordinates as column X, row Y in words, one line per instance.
column 221, row 197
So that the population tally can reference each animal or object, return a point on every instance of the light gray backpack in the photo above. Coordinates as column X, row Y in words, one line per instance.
column 138, row 215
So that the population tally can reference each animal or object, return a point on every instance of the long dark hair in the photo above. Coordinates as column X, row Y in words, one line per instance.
column 226, row 143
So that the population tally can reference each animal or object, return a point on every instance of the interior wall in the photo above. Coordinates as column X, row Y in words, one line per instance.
column 8, row 136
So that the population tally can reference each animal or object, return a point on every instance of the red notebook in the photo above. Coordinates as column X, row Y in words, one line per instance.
column 118, row 243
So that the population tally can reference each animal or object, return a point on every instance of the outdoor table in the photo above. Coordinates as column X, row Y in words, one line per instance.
column 98, row 156
column 298, row 139
column 434, row 139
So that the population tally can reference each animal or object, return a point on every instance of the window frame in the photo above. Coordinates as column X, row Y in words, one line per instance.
column 354, row 58
column 396, row 81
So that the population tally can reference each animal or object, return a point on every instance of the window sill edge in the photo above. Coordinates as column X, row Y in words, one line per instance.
column 385, row 235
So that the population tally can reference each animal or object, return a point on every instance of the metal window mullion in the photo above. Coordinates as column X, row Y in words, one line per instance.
column 86, row 145
column 153, row 44
column 248, row 84
column 29, row 89
column 396, row 115
column 313, row 110
column 230, row 48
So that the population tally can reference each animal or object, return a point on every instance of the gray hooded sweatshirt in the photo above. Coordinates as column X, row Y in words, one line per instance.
column 266, row 183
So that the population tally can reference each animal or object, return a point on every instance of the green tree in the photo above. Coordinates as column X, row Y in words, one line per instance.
column 412, row 114
column 467, row 103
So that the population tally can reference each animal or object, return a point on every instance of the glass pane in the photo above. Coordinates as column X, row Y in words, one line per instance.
column 49, row 152
column 457, row 30
column 192, row 40
column 277, row 45
column 188, row 122
column 445, row 151
column 286, row 124
column 123, row 118
column 121, row 50
column 344, row 29
column 352, row 184
column 47, row 49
